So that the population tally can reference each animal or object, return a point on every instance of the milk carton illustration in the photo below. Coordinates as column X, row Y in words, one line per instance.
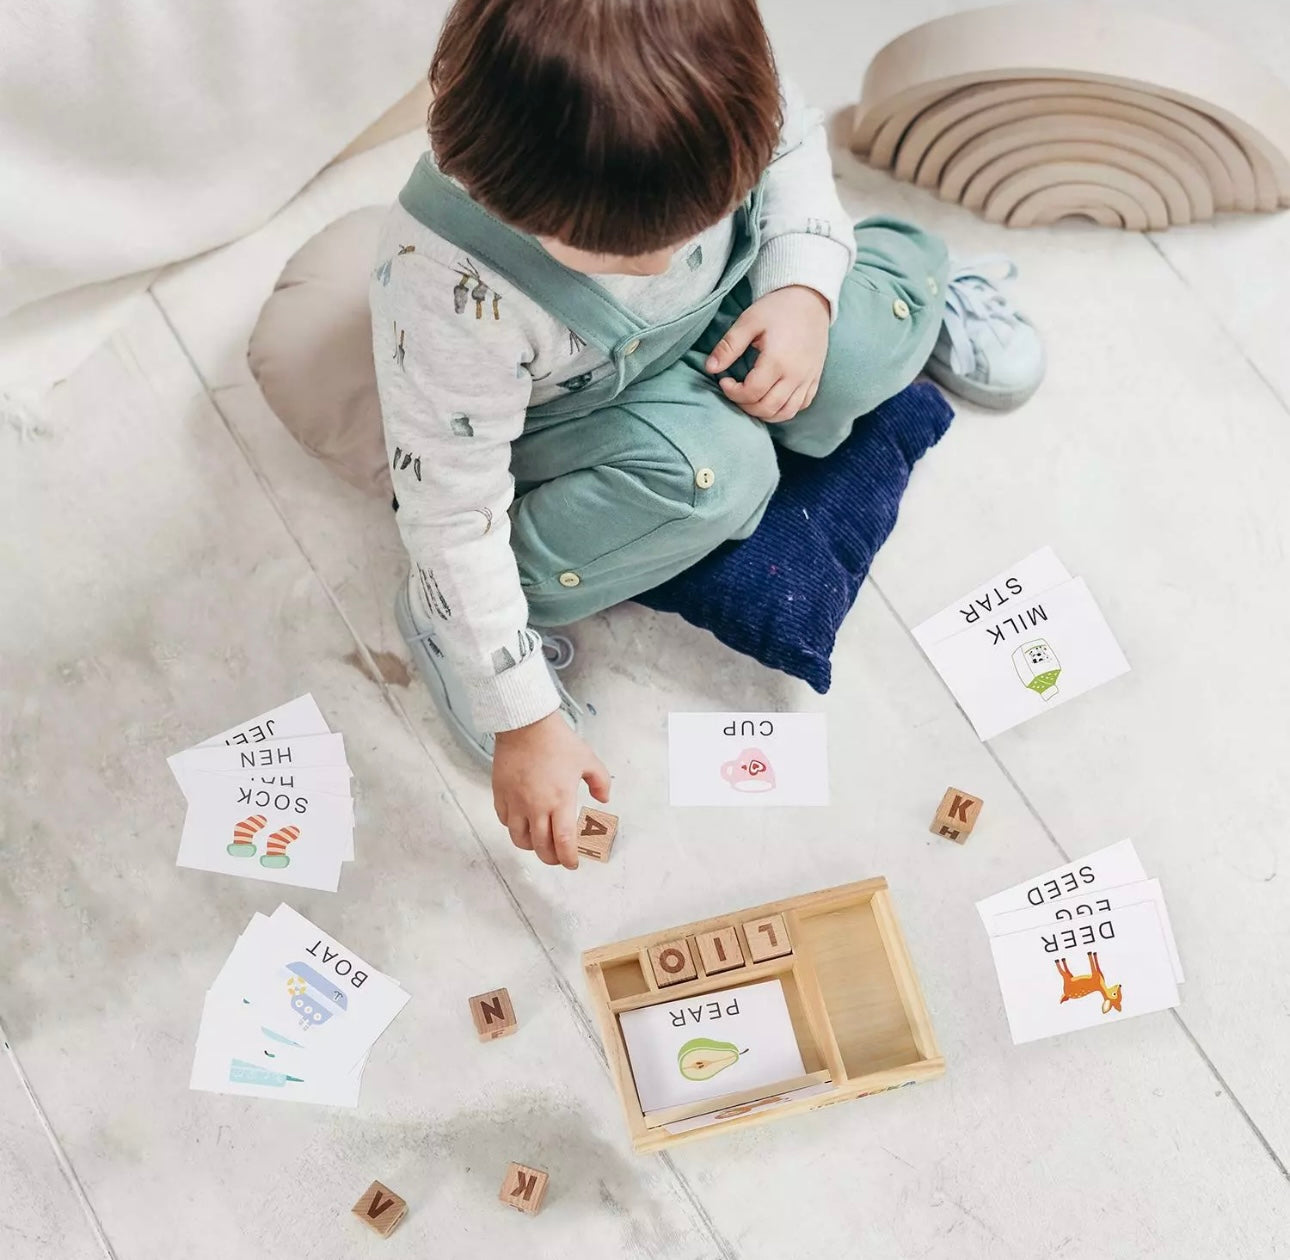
column 1037, row 666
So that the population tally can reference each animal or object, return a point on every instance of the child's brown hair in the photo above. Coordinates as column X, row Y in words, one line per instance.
column 614, row 126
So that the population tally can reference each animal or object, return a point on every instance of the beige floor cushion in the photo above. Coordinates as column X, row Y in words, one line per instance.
column 311, row 351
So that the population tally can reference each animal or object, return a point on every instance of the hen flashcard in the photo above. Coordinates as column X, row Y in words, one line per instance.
column 748, row 759
column 1081, row 973
column 269, row 799
column 1022, row 659
column 707, row 1047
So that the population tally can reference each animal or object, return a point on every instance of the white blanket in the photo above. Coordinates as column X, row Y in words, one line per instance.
column 133, row 134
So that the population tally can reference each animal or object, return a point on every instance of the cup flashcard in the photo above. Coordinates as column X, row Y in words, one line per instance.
column 1085, row 972
column 748, row 759
column 1017, row 662
column 706, row 1047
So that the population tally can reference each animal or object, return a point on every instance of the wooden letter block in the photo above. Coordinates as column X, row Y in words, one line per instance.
column 956, row 815
column 719, row 951
column 596, row 832
column 767, row 938
column 524, row 1188
column 672, row 962
column 380, row 1209
column 493, row 1014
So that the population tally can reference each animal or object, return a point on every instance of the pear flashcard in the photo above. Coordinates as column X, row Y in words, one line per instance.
column 722, row 1043
column 1027, row 641
column 748, row 759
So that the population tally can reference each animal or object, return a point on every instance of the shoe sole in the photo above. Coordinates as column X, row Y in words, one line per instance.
column 430, row 675
column 979, row 395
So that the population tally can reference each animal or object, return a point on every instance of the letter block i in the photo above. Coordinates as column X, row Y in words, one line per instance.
column 956, row 815
column 493, row 1014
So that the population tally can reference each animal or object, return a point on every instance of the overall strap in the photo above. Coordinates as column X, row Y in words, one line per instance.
column 575, row 299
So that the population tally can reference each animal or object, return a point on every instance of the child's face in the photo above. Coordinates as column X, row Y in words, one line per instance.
column 653, row 264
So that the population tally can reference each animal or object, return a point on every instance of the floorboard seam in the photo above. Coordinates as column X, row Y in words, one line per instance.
column 576, row 1008
column 60, row 1156
column 1035, row 814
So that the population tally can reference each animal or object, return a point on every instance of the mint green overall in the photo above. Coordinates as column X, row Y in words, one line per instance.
column 624, row 484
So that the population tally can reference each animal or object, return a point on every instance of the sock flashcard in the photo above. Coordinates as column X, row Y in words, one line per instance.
column 269, row 799
column 748, row 759
column 1024, row 643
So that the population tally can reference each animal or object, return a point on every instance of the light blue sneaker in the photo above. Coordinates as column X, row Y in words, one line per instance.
column 448, row 690
column 987, row 351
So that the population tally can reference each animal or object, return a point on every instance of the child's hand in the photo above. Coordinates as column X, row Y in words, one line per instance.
column 536, row 771
column 790, row 329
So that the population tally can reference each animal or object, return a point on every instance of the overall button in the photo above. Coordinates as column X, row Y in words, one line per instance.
column 932, row 287
column 705, row 478
column 900, row 308
column 570, row 579
column 632, row 346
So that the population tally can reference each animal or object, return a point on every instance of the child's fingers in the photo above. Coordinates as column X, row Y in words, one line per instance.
column 540, row 834
column 752, row 389
column 596, row 777
column 519, row 829
column 773, row 399
column 739, row 336
column 810, row 394
column 499, row 808
column 563, row 834
column 796, row 402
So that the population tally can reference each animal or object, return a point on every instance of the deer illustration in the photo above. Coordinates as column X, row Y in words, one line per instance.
column 1094, row 982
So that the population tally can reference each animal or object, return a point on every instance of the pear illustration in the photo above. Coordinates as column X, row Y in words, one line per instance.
column 701, row 1059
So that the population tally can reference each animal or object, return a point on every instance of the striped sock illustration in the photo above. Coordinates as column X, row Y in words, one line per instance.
column 244, row 835
column 275, row 855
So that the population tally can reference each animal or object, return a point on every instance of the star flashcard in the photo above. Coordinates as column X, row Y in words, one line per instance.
column 748, row 759
column 1022, row 660
column 1081, row 973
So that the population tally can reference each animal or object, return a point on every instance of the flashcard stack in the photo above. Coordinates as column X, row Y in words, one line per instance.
column 1029, row 639
column 1089, row 943
column 269, row 799
column 292, row 1015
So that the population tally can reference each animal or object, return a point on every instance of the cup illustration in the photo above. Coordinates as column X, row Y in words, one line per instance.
column 749, row 772
column 1037, row 666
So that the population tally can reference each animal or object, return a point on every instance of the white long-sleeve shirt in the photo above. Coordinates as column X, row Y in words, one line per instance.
column 459, row 362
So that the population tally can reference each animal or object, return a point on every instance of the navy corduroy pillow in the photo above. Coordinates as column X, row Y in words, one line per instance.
column 780, row 595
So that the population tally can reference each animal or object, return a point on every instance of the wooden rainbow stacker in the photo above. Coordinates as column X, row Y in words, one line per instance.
column 856, row 1006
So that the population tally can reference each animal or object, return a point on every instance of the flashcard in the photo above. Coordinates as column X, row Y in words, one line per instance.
column 236, row 1054
column 300, row 716
column 1081, row 973
column 1038, row 572
column 743, row 1109
column 306, row 986
column 1029, row 658
column 270, row 756
column 1115, row 865
column 750, row 759
column 285, row 835
column 706, row 1047
column 1078, row 906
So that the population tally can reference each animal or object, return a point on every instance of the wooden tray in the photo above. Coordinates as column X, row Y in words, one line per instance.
column 853, row 996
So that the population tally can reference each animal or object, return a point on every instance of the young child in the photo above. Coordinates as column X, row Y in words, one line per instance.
column 620, row 278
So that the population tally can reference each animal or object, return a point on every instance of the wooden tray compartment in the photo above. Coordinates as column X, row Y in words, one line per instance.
column 852, row 993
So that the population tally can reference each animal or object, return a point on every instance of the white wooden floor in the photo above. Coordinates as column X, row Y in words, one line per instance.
column 173, row 563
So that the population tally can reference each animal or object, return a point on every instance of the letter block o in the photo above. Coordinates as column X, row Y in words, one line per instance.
column 672, row 962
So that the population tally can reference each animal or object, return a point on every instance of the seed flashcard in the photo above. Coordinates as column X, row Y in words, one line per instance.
column 749, row 759
column 1075, row 948
column 270, row 800
column 1027, row 641
column 705, row 1047
column 292, row 1015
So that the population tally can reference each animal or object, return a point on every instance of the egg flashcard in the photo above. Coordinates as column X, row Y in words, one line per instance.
column 706, row 1047
column 748, row 759
column 1026, row 657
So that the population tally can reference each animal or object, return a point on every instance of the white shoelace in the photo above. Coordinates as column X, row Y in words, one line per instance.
column 974, row 304
column 558, row 649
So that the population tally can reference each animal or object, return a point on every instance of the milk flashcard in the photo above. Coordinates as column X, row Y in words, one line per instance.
column 1081, row 973
column 711, row 1046
column 748, row 759
column 1017, row 662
